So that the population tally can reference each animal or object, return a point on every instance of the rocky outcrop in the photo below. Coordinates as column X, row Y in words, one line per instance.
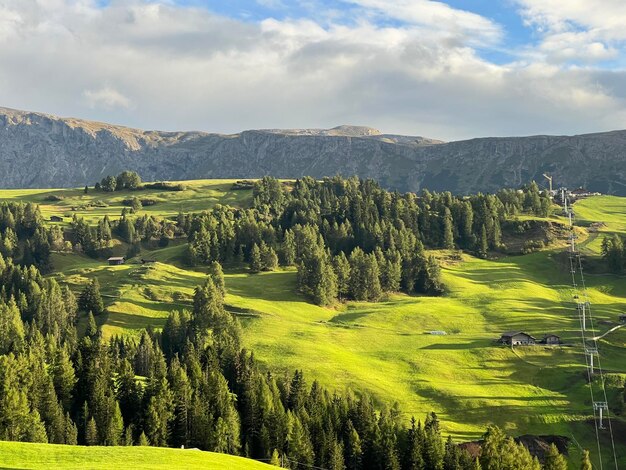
column 38, row 150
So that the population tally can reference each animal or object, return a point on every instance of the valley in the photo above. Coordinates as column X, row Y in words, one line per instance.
column 385, row 349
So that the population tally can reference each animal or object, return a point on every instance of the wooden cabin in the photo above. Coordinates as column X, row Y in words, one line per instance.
column 517, row 338
column 622, row 318
column 56, row 218
column 116, row 260
column 551, row 339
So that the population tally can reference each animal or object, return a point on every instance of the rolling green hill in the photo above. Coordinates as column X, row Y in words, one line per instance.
column 385, row 348
column 45, row 456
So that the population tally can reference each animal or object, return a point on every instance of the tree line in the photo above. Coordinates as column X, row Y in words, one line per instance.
column 350, row 238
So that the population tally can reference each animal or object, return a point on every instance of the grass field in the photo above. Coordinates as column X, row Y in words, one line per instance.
column 385, row 349
column 198, row 195
column 19, row 455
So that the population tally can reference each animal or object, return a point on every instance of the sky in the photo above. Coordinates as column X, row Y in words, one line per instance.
column 448, row 70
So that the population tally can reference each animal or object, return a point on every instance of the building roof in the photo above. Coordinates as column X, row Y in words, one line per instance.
column 514, row 333
column 550, row 334
column 116, row 258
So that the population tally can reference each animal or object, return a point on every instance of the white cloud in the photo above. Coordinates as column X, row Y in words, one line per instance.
column 107, row 98
column 581, row 30
column 160, row 66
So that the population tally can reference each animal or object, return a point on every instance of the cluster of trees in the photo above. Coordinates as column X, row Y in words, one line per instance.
column 125, row 180
column 344, row 234
column 614, row 254
column 193, row 384
column 96, row 240
column 24, row 237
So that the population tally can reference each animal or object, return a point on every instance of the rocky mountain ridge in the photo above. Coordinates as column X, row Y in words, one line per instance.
column 40, row 150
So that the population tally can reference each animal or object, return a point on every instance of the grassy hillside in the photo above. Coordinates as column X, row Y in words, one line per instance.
column 385, row 348
column 45, row 456
column 198, row 195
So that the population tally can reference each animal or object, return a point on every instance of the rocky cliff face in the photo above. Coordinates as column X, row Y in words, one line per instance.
column 38, row 150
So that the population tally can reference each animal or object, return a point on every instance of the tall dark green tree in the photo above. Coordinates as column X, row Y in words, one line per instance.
column 90, row 299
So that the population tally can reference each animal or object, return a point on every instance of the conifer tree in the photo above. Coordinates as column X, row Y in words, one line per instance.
column 448, row 234
column 275, row 459
column 256, row 264
column 483, row 244
column 341, row 266
column 11, row 327
column 91, row 433
column 554, row 460
column 217, row 275
column 90, row 298
column 288, row 250
column 143, row 440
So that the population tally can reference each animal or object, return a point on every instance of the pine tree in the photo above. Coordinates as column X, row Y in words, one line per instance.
column 92, row 329
column 288, row 251
column 64, row 377
column 275, row 459
column 217, row 275
column 143, row 440
column 336, row 461
column 554, row 460
column 299, row 446
column 269, row 260
column 115, row 428
column 91, row 433
column 354, row 450
column 71, row 432
column 90, row 299
column 341, row 266
column 448, row 234
column 483, row 244
column 256, row 264
column 11, row 327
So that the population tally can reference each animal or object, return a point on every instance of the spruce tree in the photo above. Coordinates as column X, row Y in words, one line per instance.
column 275, row 459
column 92, row 329
column 483, row 243
column 341, row 266
column 554, row 460
column 256, row 264
column 143, row 440
column 448, row 234
column 288, row 250
column 91, row 433
column 90, row 298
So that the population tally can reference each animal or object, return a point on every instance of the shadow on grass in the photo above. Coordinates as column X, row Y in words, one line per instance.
column 132, row 321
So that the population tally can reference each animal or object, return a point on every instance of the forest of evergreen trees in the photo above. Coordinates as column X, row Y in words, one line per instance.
column 194, row 385
column 351, row 239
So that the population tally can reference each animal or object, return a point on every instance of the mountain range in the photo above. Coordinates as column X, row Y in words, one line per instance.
column 40, row 150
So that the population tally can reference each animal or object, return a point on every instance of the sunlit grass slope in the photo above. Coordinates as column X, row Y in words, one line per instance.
column 18, row 455
column 198, row 195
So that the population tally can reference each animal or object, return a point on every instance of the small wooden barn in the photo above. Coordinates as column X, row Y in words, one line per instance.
column 116, row 260
column 551, row 338
column 56, row 218
column 622, row 318
column 517, row 338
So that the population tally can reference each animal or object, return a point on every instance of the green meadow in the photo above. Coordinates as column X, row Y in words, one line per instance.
column 197, row 196
column 386, row 349
column 20, row 455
